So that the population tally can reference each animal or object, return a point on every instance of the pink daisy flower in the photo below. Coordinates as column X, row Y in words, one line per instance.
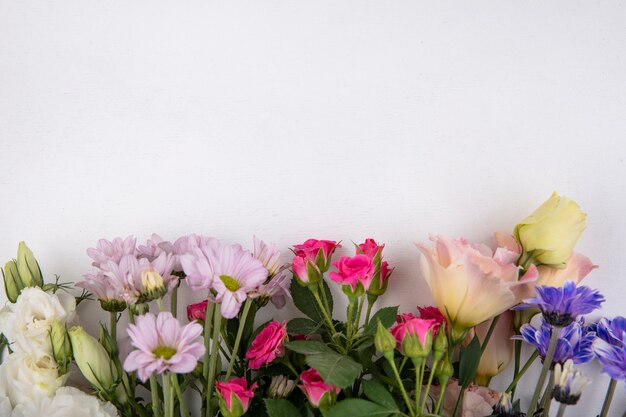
column 162, row 344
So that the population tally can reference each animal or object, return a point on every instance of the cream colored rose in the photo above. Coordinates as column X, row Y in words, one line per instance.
column 27, row 322
column 549, row 234
column 24, row 379
column 67, row 402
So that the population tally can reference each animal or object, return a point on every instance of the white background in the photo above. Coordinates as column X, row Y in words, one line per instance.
column 328, row 119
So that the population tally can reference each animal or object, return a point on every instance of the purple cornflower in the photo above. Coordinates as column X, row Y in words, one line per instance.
column 613, row 359
column 162, row 344
column 612, row 331
column 575, row 341
column 561, row 305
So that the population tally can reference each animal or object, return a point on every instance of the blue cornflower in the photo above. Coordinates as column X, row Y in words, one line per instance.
column 561, row 305
column 612, row 331
column 575, row 341
column 613, row 359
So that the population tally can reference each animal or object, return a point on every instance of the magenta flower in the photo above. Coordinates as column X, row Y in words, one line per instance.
column 317, row 251
column 305, row 270
column 229, row 270
column 355, row 271
column 197, row 311
column 234, row 396
column 374, row 251
column 163, row 345
column 369, row 248
column 268, row 345
column 319, row 393
column 408, row 324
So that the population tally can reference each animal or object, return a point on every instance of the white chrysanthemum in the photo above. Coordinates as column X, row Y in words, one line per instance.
column 26, row 324
column 25, row 379
column 67, row 402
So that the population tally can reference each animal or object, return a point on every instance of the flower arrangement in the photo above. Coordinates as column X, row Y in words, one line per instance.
column 438, row 360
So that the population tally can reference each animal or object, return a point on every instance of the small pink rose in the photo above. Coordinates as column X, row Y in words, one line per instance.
column 235, row 393
column 305, row 270
column 197, row 311
column 267, row 345
column 353, row 271
column 407, row 323
column 369, row 248
column 313, row 248
column 317, row 391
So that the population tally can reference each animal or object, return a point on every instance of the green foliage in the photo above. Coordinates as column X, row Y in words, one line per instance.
column 468, row 364
column 361, row 408
column 305, row 302
column 304, row 326
column 387, row 317
column 335, row 368
column 281, row 408
column 378, row 393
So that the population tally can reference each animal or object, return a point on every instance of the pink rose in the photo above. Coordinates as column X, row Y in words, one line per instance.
column 317, row 251
column 378, row 283
column 407, row 324
column 319, row 393
column 234, row 396
column 305, row 270
column 197, row 311
column 369, row 248
column 267, row 345
column 354, row 271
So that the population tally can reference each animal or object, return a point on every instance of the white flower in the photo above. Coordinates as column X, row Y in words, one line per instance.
column 5, row 405
column 27, row 322
column 25, row 379
column 67, row 402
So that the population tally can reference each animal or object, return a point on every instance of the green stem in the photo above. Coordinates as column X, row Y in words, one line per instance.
column 561, row 412
column 328, row 319
column 167, row 398
column 208, row 319
column 516, row 371
column 174, row 301
column 420, row 367
column 217, row 324
column 114, row 326
column 521, row 373
column 154, row 391
column 359, row 312
column 608, row 398
column 547, row 362
column 459, row 401
column 442, row 391
column 325, row 298
column 369, row 312
column 396, row 374
column 546, row 400
column 179, row 394
column 350, row 320
column 160, row 304
column 430, row 381
column 131, row 316
column 242, row 325
column 492, row 327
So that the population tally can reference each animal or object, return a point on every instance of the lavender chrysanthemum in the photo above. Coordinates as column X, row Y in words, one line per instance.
column 162, row 344
column 113, row 250
column 575, row 341
column 561, row 305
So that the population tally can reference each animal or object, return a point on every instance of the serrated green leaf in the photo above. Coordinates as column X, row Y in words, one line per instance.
column 334, row 368
column 387, row 317
column 281, row 408
column 360, row 408
column 303, row 326
column 468, row 364
column 305, row 302
column 376, row 392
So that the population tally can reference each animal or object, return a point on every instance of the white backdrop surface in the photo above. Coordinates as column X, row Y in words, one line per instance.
column 296, row 119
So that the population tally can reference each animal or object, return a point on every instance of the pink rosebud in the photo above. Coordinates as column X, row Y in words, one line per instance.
column 267, row 345
column 319, row 393
column 408, row 324
column 197, row 311
column 317, row 251
column 234, row 396
column 305, row 270
column 354, row 271
column 369, row 248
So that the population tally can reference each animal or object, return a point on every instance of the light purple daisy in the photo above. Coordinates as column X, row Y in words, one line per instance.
column 113, row 250
column 230, row 271
column 268, row 254
column 162, row 344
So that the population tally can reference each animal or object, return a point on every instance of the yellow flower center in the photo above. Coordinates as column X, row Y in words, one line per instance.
column 164, row 352
column 230, row 283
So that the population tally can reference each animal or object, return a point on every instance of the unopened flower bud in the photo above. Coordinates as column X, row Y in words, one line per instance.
column 444, row 372
column 281, row 386
column 27, row 266
column 384, row 341
column 61, row 347
column 416, row 349
column 568, row 383
column 440, row 345
column 13, row 285
column 107, row 341
column 92, row 360
column 153, row 286
column 504, row 408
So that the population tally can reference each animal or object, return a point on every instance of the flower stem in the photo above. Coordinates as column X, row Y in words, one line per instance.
column 459, row 401
column 215, row 352
column 369, row 311
column 442, row 392
column 179, row 394
column 208, row 319
column 520, row 373
column 242, row 325
column 168, row 396
column 516, row 371
column 407, row 400
column 174, row 302
column 561, row 412
column 609, row 397
column 154, row 391
column 547, row 362
column 546, row 400
column 328, row 319
column 114, row 326
column 160, row 304
column 430, row 381
column 420, row 367
column 489, row 333
column 359, row 312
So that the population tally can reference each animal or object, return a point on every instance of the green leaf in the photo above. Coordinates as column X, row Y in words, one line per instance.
column 468, row 364
column 334, row 368
column 376, row 392
column 281, row 408
column 304, row 326
column 305, row 302
column 360, row 408
column 387, row 317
